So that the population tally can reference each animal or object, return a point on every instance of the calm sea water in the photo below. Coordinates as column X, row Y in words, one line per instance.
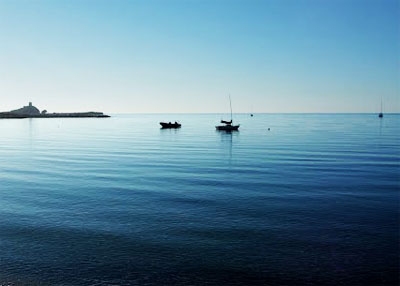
column 117, row 201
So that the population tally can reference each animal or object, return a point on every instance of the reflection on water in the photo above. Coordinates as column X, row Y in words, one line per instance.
column 120, row 201
column 227, row 138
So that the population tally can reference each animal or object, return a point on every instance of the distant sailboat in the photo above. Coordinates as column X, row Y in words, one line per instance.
column 381, row 113
column 228, row 124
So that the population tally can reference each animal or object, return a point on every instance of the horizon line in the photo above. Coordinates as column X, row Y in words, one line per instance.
column 241, row 113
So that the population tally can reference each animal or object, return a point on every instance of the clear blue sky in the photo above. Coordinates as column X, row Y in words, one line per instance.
column 187, row 56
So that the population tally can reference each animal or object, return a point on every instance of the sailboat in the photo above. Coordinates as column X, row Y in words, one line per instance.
column 381, row 113
column 228, row 124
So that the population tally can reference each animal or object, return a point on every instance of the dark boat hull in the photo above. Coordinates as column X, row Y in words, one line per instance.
column 166, row 125
column 227, row 127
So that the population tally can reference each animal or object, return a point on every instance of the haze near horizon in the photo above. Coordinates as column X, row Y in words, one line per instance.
column 187, row 56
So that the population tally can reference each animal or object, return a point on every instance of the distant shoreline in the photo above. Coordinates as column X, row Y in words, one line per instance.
column 31, row 111
column 55, row 115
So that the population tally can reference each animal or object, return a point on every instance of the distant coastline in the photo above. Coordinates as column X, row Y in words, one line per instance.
column 31, row 111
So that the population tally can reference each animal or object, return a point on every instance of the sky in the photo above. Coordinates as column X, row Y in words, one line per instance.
column 188, row 56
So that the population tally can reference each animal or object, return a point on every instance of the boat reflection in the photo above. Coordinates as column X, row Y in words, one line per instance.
column 227, row 140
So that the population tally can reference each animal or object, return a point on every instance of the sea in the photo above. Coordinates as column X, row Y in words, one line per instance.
column 289, row 199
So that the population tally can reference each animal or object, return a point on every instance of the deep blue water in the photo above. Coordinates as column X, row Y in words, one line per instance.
column 117, row 201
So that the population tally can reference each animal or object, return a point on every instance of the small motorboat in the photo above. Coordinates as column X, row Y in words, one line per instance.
column 170, row 125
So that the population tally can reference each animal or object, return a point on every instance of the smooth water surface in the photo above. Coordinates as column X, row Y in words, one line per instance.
column 118, row 201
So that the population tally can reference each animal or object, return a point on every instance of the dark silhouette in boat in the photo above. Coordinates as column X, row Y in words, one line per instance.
column 228, row 124
column 166, row 125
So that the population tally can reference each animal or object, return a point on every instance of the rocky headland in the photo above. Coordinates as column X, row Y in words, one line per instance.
column 31, row 111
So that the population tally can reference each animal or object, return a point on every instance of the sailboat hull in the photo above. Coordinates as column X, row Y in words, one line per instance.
column 227, row 127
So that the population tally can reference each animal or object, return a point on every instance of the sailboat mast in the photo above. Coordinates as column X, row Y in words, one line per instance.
column 230, row 103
